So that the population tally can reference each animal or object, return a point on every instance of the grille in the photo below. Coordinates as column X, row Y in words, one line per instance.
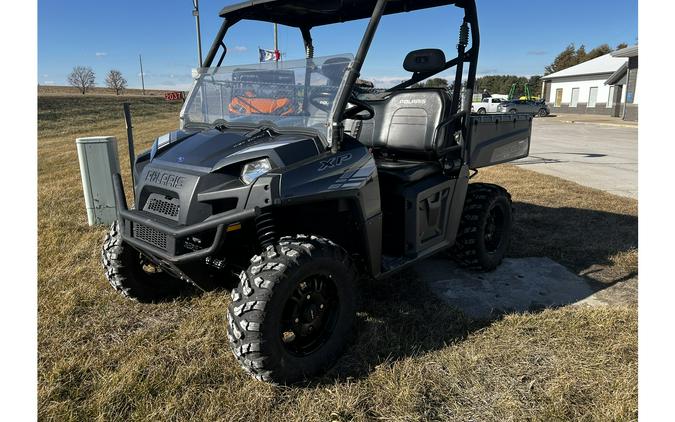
column 163, row 206
column 150, row 235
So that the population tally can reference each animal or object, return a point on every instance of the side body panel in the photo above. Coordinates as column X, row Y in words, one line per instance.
column 349, row 175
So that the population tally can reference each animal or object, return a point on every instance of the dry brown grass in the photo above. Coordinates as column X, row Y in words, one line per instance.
column 590, row 231
column 46, row 90
column 105, row 358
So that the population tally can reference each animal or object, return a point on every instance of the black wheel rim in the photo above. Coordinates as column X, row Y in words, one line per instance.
column 494, row 229
column 310, row 315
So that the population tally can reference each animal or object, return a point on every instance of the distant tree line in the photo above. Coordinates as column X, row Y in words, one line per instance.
column 501, row 84
column 83, row 78
column 432, row 83
column 572, row 56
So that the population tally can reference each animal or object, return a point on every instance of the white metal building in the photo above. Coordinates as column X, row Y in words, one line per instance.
column 597, row 86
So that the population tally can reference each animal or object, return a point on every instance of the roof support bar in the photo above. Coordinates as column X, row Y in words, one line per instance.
column 457, row 85
column 309, row 55
column 217, row 42
column 471, row 17
column 353, row 72
column 307, row 39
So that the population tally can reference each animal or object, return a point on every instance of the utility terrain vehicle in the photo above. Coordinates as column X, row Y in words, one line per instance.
column 305, row 201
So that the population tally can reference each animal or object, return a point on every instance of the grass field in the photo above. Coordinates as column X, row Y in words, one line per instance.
column 98, row 91
column 101, row 357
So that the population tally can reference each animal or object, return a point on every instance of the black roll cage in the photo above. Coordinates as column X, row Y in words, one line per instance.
column 457, row 116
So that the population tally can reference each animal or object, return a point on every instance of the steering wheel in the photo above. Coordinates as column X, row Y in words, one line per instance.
column 322, row 98
column 354, row 113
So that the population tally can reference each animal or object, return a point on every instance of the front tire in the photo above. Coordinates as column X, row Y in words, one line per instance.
column 481, row 111
column 485, row 229
column 294, row 309
column 543, row 112
column 125, row 269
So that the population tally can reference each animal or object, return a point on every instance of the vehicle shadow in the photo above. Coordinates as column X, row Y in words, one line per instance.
column 576, row 238
column 404, row 315
column 407, row 314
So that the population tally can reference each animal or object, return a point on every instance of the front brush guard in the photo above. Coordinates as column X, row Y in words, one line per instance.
column 128, row 217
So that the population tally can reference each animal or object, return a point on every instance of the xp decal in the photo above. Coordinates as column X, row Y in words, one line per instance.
column 334, row 161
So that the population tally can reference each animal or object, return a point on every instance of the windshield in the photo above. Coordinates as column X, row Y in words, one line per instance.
column 296, row 93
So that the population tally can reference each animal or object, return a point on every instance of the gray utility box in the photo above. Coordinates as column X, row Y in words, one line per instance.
column 98, row 162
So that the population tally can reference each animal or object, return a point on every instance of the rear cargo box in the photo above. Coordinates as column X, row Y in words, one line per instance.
column 498, row 138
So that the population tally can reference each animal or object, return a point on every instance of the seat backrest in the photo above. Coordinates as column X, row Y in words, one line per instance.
column 406, row 122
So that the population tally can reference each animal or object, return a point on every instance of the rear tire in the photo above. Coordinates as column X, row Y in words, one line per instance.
column 481, row 111
column 513, row 111
column 124, row 269
column 485, row 228
column 294, row 309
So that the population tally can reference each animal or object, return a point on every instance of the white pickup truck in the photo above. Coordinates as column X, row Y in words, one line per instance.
column 489, row 105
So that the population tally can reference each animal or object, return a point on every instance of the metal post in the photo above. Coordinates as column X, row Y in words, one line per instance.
column 277, row 55
column 142, row 76
column 130, row 142
column 195, row 13
column 625, row 103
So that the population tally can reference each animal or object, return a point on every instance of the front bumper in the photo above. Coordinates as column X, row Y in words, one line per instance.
column 169, row 235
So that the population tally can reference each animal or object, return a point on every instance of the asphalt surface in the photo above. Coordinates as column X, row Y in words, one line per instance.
column 595, row 155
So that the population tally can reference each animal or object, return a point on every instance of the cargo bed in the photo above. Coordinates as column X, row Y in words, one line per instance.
column 498, row 138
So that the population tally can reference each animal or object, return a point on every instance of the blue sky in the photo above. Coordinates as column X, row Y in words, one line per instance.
column 517, row 37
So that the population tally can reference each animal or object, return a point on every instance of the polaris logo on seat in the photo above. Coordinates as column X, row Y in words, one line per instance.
column 414, row 101
column 161, row 178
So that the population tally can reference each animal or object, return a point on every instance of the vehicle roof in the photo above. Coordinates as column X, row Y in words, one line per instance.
column 310, row 13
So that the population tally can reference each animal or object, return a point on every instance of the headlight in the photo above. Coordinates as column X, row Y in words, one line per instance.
column 255, row 169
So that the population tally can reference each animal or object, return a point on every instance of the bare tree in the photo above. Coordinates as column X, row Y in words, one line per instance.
column 115, row 81
column 82, row 78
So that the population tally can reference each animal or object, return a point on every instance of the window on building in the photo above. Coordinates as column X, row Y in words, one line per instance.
column 610, row 99
column 592, row 96
column 575, row 97
column 558, row 97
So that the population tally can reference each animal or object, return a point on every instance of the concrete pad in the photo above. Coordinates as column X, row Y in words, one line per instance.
column 518, row 285
column 593, row 155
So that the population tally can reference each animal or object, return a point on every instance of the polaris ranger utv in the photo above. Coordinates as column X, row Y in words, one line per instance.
column 306, row 201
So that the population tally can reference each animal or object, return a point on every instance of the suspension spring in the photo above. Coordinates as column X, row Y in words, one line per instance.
column 464, row 35
column 265, row 228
